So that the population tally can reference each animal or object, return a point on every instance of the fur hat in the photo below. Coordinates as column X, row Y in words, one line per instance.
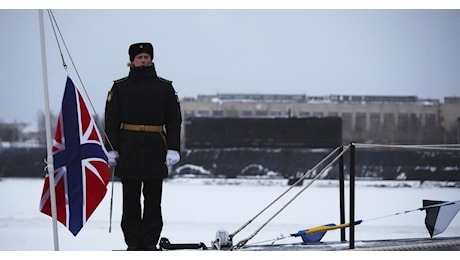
column 140, row 47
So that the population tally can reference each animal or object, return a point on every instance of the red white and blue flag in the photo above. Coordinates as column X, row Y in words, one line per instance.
column 81, row 171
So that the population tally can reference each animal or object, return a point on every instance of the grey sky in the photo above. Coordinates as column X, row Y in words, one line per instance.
column 312, row 52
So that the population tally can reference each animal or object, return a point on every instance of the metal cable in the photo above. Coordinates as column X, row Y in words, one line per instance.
column 244, row 241
column 452, row 147
column 284, row 193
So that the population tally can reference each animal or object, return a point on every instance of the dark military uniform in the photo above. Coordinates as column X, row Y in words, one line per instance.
column 142, row 121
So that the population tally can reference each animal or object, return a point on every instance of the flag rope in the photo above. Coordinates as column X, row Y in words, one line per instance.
column 325, row 228
column 60, row 38
column 57, row 31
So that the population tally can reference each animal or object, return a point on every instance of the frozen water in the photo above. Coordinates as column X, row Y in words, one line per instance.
column 195, row 209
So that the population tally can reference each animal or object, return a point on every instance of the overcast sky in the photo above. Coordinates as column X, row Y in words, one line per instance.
column 278, row 51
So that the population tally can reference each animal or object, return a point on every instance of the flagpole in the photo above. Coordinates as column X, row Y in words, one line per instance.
column 50, row 162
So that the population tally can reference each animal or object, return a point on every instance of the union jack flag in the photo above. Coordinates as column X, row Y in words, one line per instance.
column 81, row 171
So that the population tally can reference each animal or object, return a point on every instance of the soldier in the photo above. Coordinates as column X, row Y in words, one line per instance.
column 143, row 123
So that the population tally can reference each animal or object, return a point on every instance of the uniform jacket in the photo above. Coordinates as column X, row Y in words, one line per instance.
column 142, row 98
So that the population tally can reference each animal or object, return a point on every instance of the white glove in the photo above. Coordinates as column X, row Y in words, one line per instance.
column 113, row 156
column 172, row 157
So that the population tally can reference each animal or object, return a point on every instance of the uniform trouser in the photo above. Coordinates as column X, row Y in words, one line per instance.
column 141, row 229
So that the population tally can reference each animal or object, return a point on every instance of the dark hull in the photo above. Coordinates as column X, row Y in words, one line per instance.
column 409, row 244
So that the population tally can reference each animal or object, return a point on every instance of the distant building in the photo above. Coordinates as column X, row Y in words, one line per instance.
column 370, row 119
column 261, row 150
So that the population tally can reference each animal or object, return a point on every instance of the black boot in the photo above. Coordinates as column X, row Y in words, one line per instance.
column 149, row 248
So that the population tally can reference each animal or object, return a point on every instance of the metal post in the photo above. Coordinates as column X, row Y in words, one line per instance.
column 50, row 164
column 352, row 196
column 342, row 195
column 458, row 130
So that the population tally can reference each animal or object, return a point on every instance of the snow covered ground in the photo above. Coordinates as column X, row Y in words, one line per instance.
column 195, row 209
